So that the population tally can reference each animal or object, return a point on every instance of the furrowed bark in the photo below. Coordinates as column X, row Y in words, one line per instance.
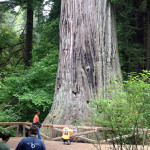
column 88, row 58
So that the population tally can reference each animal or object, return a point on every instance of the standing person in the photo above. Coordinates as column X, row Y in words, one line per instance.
column 36, row 122
column 5, row 138
column 31, row 142
column 66, row 132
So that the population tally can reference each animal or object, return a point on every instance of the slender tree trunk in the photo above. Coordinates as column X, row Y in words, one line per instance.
column 140, row 35
column 29, row 35
column 148, row 35
column 88, row 58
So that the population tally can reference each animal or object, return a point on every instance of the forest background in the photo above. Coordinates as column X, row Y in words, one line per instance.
column 28, row 66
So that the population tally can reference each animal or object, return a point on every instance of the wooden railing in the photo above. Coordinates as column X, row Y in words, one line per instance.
column 57, row 128
column 80, row 135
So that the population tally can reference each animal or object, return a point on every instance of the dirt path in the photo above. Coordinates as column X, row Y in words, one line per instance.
column 51, row 145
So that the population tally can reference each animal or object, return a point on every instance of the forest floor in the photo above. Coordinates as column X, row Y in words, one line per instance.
column 51, row 145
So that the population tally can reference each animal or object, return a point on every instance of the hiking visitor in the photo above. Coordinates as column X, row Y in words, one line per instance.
column 31, row 142
column 5, row 138
column 37, row 122
column 66, row 132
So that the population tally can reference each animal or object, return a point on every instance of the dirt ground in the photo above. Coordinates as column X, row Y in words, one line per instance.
column 51, row 145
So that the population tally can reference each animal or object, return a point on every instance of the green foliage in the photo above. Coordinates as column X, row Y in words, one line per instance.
column 9, row 53
column 55, row 11
column 25, row 90
column 8, row 115
column 31, row 89
column 131, row 20
column 46, row 43
column 138, row 92
column 6, row 36
column 128, row 107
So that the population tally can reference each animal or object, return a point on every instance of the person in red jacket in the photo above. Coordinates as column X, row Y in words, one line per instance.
column 36, row 122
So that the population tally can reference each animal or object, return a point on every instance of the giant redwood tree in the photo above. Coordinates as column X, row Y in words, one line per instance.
column 88, row 58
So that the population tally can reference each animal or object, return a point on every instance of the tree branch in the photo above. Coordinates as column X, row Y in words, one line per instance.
column 2, row 65
column 18, row 61
column 13, row 45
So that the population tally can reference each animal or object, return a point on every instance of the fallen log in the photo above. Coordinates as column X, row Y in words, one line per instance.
column 86, row 139
column 118, row 138
column 77, row 134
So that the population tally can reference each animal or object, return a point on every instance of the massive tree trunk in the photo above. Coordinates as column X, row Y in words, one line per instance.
column 29, row 35
column 148, row 35
column 88, row 58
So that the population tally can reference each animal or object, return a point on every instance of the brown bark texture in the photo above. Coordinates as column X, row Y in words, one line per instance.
column 88, row 58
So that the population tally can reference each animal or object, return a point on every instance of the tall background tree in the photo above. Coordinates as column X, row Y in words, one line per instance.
column 132, row 28
column 148, row 34
column 29, row 33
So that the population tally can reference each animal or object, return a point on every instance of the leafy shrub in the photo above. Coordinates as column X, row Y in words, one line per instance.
column 126, row 110
column 29, row 90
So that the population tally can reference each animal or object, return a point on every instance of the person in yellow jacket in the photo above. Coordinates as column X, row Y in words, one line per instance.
column 66, row 132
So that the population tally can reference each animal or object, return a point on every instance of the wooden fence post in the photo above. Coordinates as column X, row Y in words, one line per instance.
column 97, row 134
column 144, row 134
column 17, row 131
column 24, row 131
column 51, row 133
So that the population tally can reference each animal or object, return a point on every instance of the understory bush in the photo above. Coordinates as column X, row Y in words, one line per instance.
column 125, row 113
column 25, row 91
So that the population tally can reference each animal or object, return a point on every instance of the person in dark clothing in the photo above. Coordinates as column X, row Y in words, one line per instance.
column 31, row 142
column 36, row 121
column 5, row 138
